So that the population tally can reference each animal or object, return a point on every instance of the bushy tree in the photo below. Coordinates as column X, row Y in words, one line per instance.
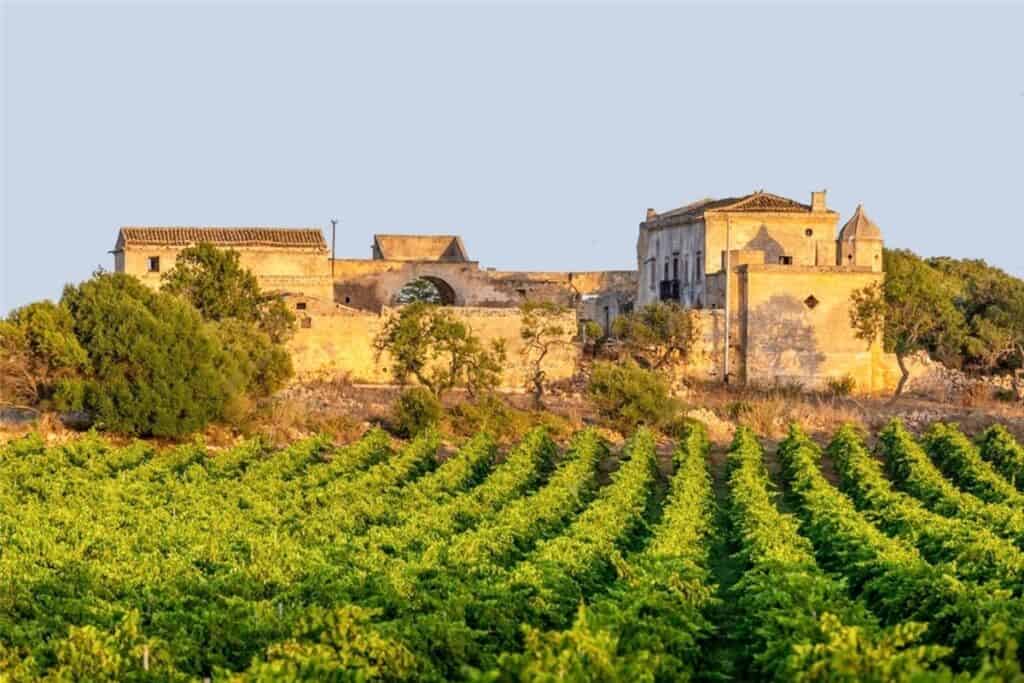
column 627, row 395
column 215, row 283
column 440, row 351
column 38, row 351
column 420, row 289
column 658, row 334
column 992, row 303
column 543, row 330
column 260, row 366
column 911, row 310
column 153, row 367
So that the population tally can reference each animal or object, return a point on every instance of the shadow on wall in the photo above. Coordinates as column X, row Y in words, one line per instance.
column 782, row 342
column 771, row 247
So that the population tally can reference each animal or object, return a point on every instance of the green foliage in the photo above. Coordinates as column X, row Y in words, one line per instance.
column 258, row 366
column 893, row 578
column 215, row 283
column 960, row 460
column 998, row 447
column 992, row 304
column 38, row 351
column 415, row 410
column 153, row 367
column 658, row 333
column 626, row 395
column 429, row 343
column 419, row 290
column 378, row 562
column 912, row 310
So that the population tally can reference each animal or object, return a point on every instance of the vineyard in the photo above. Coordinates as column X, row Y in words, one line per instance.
column 856, row 559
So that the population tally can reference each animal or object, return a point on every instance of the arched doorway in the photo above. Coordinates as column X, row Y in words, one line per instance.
column 426, row 288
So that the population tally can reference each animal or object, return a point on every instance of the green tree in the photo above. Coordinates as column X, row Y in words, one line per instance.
column 215, row 283
column 657, row 334
column 911, row 310
column 153, row 367
column 543, row 330
column 38, row 351
column 992, row 303
column 420, row 289
column 428, row 343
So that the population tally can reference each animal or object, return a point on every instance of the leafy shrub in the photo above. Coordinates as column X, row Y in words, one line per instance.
column 153, row 367
column 415, row 411
column 38, row 350
column 626, row 395
column 505, row 423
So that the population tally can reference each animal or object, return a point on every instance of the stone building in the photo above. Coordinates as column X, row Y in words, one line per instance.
column 282, row 259
column 342, row 304
column 790, row 278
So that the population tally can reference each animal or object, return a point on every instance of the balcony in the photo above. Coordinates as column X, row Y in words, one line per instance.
column 669, row 290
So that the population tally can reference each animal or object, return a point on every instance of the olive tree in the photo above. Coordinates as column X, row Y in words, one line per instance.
column 428, row 343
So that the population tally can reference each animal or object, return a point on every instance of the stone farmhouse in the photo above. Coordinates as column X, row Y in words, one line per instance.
column 786, row 275
column 786, row 278
column 342, row 304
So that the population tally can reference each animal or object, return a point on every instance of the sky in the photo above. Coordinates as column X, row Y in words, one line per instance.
column 540, row 133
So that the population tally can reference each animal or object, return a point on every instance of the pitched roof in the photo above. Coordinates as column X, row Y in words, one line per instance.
column 175, row 236
column 753, row 202
column 860, row 227
column 419, row 248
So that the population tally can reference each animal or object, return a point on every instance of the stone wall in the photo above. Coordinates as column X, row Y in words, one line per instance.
column 795, row 327
column 373, row 284
column 276, row 269
column 338, row 341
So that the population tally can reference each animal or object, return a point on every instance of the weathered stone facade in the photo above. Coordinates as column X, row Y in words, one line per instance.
column 282, row 259
column 341, row 305
column 790, row 278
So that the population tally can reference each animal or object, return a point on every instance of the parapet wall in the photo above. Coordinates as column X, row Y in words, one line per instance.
column 338, row 341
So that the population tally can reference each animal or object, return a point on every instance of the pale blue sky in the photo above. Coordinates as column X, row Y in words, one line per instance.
column 540, row 134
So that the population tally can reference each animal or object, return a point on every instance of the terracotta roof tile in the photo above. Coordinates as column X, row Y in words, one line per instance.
column 753, row 202
column 222, row 237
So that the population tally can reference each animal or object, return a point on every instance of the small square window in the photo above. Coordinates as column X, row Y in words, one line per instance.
column 786, row 260
column 810, row 302
column 307, row 322
column 154, row 264
column 301, row 306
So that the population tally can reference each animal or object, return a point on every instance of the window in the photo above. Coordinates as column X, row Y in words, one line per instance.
column 686, row 269
column 811, row 302
column 809, row 232
column 666, row 271
column 650, row 268
column 697, row 268
column 307, row 322
column 786, row 260
column 154, row 264
column 301, row 306
column 348, row 299
column 675, row 267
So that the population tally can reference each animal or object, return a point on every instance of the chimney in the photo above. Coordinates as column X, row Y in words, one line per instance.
column 818, row 201
column 651, row 214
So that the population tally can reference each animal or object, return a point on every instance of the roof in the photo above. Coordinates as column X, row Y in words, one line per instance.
column 860, row 227
column 419, row 248
column 176, row 236
column 754, row 202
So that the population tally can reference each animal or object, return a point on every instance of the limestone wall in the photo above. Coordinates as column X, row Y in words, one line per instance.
column 292, row 270
column 795, row 327
column 338, row 341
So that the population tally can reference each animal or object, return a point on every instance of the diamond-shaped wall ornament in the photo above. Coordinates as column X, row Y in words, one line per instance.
column 810, row 302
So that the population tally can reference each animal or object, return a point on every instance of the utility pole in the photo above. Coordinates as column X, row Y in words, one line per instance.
column 334, row 228
column 725, row 355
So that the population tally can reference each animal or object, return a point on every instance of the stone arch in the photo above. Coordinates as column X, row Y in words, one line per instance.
column 445, row 292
